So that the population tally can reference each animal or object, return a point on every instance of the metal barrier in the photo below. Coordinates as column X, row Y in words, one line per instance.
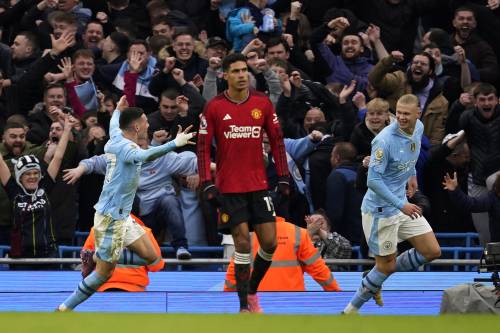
column 3, row 250
column 80, row 237
column 458, row 250
column 73, row 252
column 466, row 236
column 220, row 261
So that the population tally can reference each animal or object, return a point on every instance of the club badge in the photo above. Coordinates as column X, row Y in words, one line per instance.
column 256, row 114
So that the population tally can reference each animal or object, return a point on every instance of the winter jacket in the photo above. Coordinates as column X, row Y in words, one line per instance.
column 396, row 84
column 483, row 137
column 488, row 202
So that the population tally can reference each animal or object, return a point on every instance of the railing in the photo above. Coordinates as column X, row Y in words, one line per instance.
column 220, row 261
column 69, row 255
column 468, row 237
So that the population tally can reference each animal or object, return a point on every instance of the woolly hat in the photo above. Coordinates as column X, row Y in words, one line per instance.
column 25, row 163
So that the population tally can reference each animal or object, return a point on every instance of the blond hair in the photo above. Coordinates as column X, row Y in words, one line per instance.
column 378, row 104
column 409, row 99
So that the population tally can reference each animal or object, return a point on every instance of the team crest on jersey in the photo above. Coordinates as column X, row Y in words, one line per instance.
column 413, row 147
column 256, row 114
column 379, row 154
column 224, row 218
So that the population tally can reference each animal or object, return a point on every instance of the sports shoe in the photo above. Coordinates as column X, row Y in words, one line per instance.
column 62, row 308
column 183, row 254
column 88, row 264
column 244, row 311
column 378, row 294
column 253, row 304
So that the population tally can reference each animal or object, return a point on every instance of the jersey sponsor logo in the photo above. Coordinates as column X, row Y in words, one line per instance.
column 32, row 206
column 256, row 114
column 227, row 117
column 405, row 167
column 110, row 167
column 243, row 132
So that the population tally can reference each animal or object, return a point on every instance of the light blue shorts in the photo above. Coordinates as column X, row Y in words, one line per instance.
column 384, row 233
column 111, row 236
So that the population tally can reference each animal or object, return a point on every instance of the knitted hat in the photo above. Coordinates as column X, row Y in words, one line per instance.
column 25, row 163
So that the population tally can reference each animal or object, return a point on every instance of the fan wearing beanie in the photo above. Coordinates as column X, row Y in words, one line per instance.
column 32, row 233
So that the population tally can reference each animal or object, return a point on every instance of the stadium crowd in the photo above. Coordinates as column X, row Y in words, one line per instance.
column 333, row 70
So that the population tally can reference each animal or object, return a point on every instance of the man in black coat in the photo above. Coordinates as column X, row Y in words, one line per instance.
column 450, row 157
column 193, row 66
column 482, row 128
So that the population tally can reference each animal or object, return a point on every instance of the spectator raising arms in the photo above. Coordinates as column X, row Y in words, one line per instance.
column 33, row 233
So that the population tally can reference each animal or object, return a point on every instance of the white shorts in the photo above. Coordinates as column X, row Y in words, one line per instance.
column 384, row 233
column 111, row 236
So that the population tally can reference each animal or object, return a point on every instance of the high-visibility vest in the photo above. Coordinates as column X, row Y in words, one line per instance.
column 294, row 255
column 129, row 278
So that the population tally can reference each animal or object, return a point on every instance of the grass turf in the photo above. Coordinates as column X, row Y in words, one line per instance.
column 180, row 323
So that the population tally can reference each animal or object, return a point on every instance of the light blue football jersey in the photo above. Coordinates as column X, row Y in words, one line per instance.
column 123, row 165
column 392, row 162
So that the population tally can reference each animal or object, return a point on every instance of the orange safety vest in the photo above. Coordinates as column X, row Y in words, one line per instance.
column 129, row 278
column 294, row 255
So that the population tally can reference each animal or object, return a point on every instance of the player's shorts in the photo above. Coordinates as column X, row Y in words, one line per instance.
column 252, row 207
column 384, row 233
column 111, row 236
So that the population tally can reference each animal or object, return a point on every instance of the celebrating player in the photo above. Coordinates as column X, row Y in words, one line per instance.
column 387, row 215
column 237, row 119
column 113, row 227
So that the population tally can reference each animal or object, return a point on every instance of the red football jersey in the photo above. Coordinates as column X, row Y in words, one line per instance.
column 237, row 129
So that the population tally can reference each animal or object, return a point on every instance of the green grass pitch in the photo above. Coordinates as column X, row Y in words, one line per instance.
column 181, row 323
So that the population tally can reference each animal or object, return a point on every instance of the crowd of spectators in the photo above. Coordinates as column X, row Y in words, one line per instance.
column 333, row 69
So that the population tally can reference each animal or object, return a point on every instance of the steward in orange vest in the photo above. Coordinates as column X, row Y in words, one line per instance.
column 129, row 278
column 294, row 255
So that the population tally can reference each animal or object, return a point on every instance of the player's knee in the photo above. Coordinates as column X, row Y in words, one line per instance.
column 153, row 260
column 105, row 272
column 242, row 246
column 389, row 269
column 433, row 254
column 270, row 246
column 388, row 266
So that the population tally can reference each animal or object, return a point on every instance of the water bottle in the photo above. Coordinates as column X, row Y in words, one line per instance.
column 267, row 20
